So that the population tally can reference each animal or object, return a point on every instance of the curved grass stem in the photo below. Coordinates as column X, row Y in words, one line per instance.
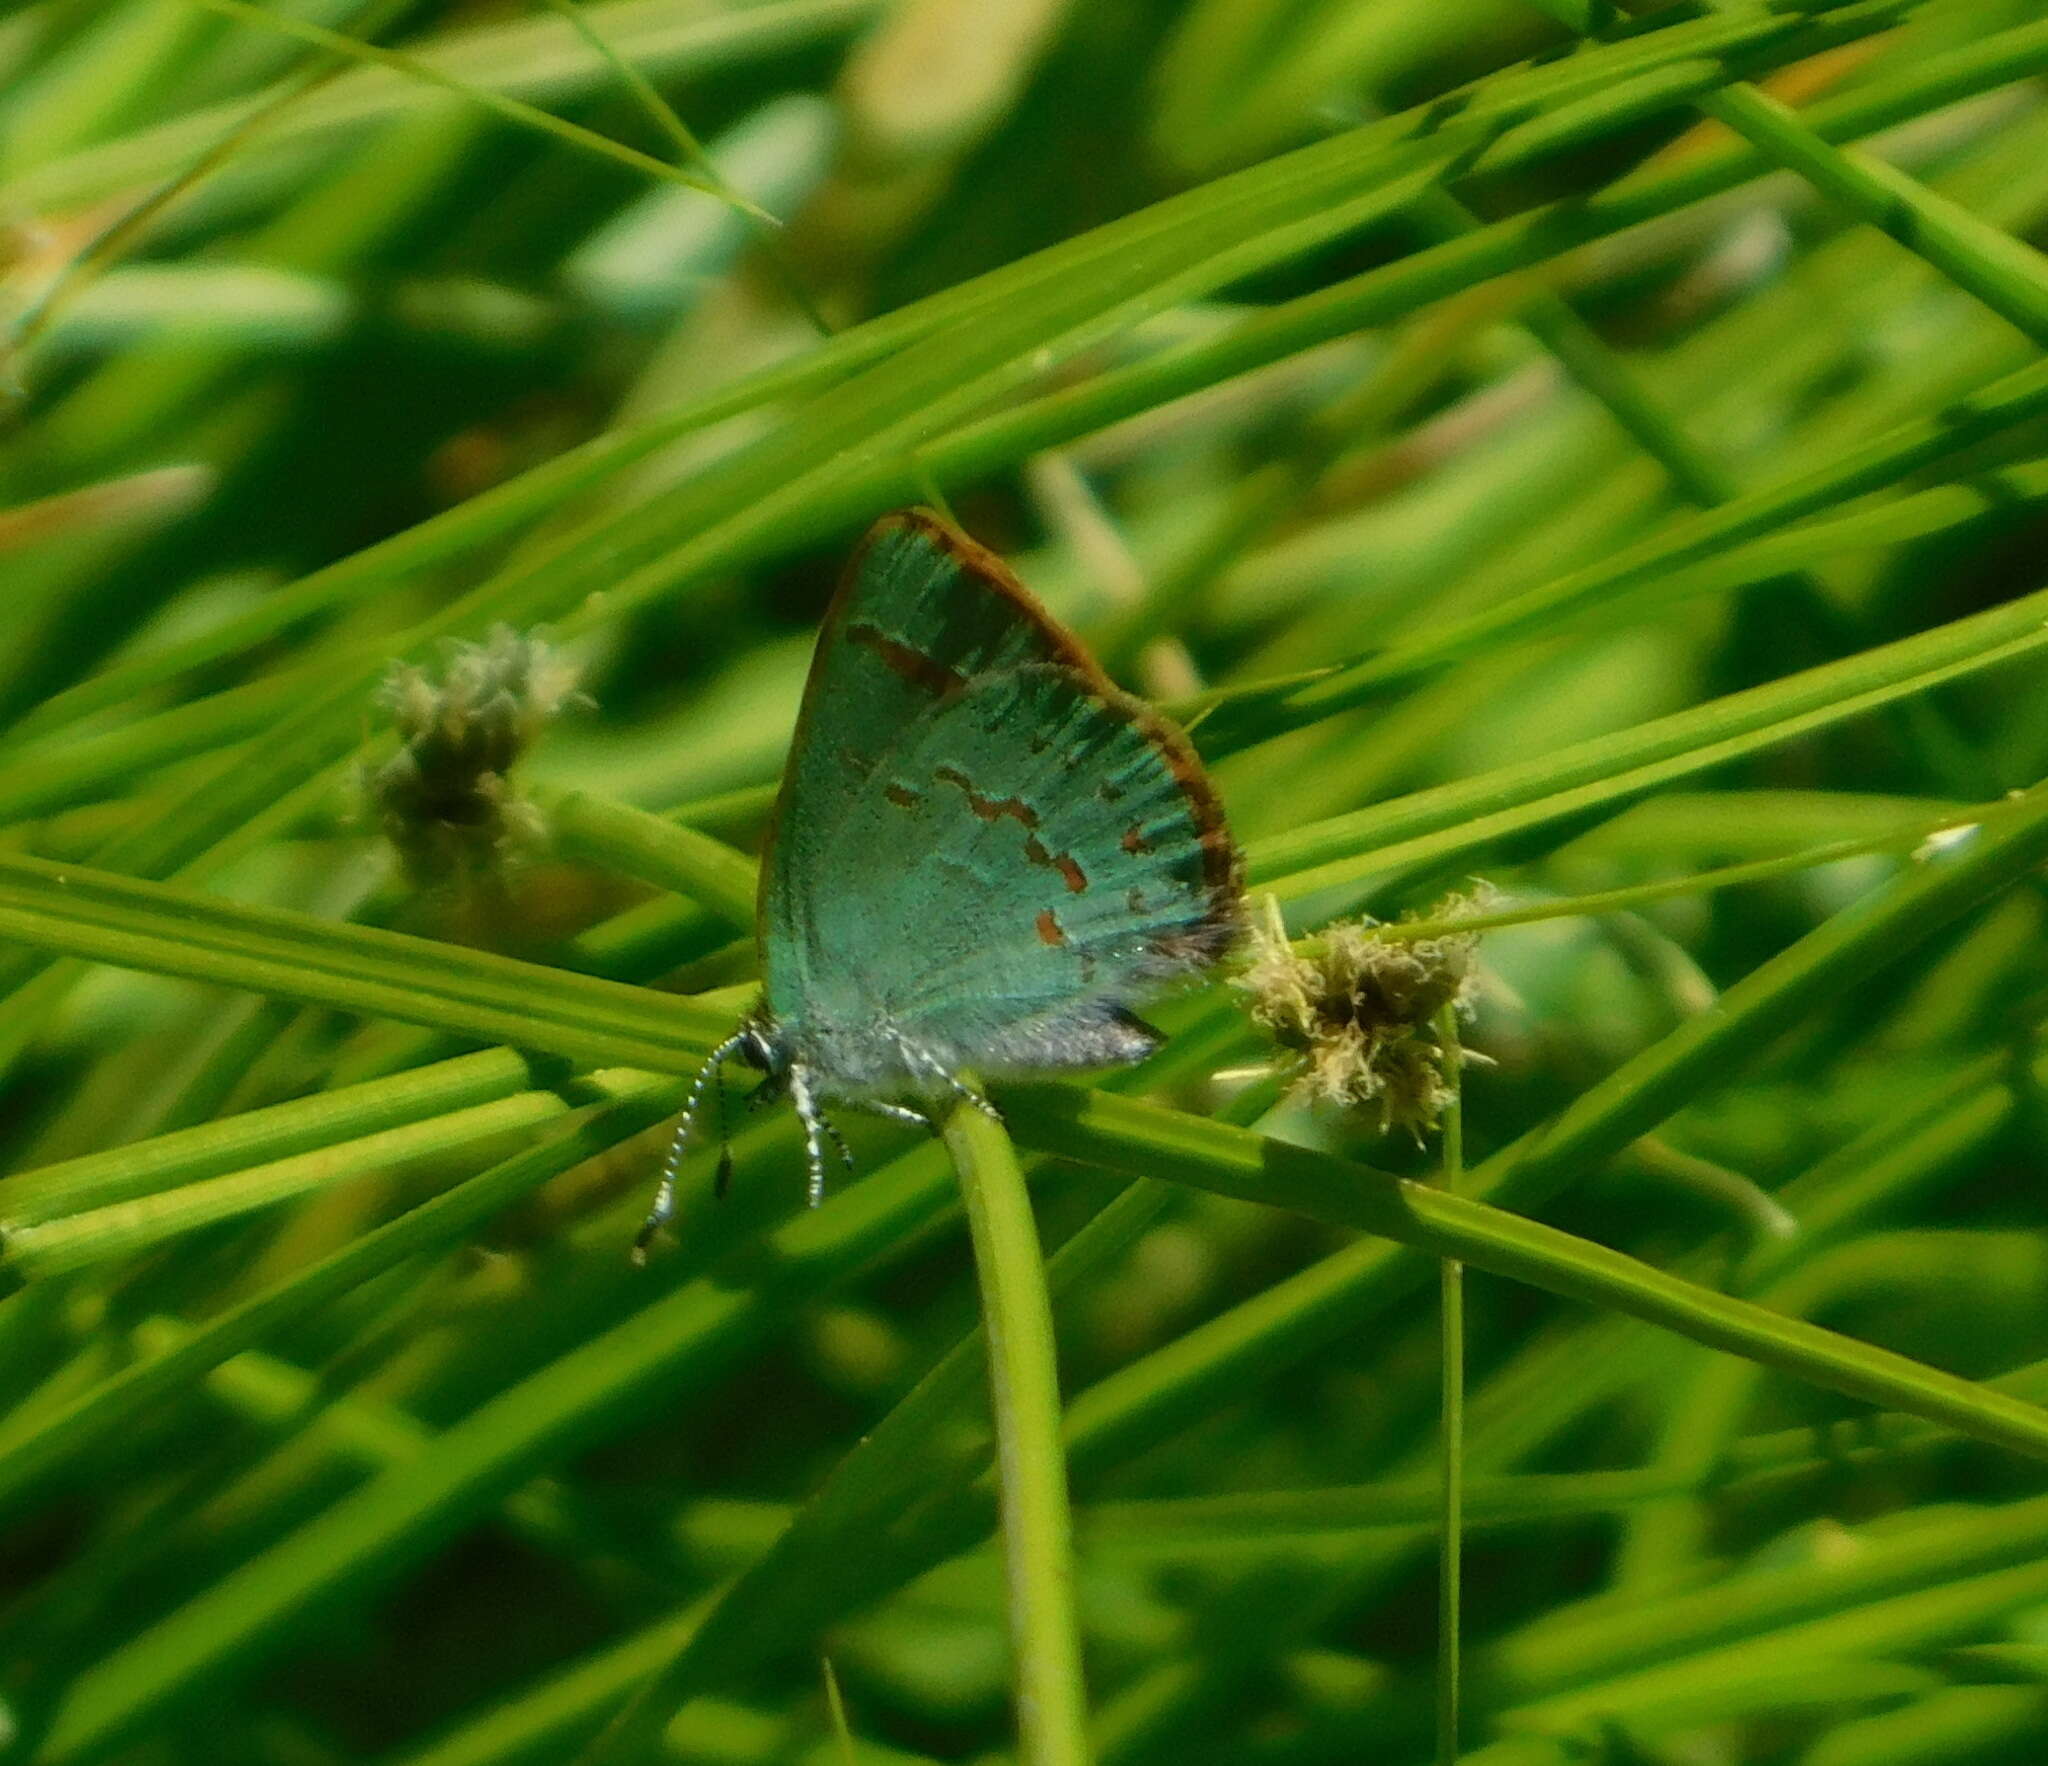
column 1024, row 1394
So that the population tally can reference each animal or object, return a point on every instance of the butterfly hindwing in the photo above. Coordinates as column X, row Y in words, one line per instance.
column 984, row 849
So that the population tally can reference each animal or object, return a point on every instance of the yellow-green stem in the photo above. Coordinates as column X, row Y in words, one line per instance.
column 1023, row 1374
column 1450, row 1562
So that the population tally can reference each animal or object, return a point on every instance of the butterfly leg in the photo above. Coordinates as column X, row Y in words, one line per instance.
column 921, row 1061
column 815, row 1130
column 967, row 1094
column 895, row 1112
column 838, row 1140
column 664, row 1209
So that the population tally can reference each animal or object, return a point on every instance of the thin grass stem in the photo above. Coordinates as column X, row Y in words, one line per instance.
column 1031, row 1466
column 1451, row 1425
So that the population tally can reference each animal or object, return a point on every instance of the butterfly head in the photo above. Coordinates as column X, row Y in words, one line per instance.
column 763, row 1044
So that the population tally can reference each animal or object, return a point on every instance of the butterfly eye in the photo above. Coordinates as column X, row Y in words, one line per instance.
column 757, row 1050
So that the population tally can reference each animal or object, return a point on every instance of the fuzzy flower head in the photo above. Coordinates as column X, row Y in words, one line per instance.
column 446, row 797
column 1364, row 1011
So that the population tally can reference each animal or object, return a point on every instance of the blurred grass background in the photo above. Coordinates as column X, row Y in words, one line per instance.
column 1598, row 450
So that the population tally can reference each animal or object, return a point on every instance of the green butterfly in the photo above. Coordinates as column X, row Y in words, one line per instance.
column 983, row 854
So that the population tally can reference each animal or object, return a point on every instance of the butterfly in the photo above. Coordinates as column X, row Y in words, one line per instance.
column 983, row 853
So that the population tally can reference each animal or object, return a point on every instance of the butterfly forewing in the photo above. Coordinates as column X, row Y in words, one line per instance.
column 983, row 848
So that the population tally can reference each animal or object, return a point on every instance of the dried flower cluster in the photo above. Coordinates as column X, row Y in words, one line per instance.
column 1363, row 1011
column 446, row 797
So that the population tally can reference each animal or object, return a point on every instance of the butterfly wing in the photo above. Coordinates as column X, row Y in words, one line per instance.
column 899, row 643
column 984, row 850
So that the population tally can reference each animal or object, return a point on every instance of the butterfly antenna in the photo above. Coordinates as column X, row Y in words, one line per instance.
column 664, row 1209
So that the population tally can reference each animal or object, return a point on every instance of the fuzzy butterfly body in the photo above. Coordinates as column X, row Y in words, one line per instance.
column 984, row 851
